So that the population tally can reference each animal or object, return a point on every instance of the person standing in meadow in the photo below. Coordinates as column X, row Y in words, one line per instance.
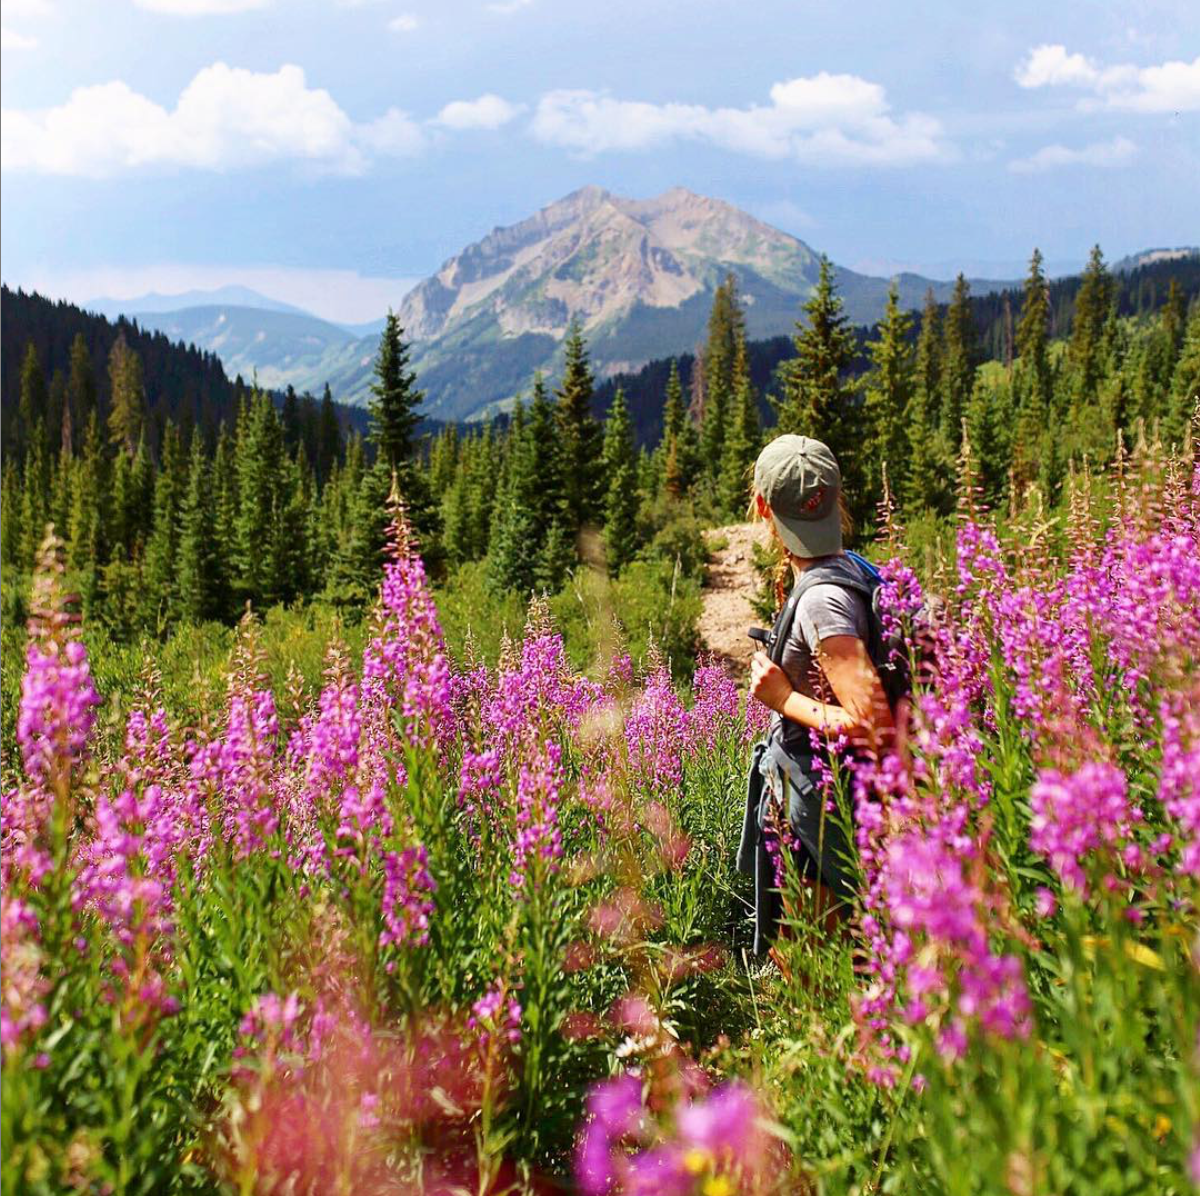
column 816, row 675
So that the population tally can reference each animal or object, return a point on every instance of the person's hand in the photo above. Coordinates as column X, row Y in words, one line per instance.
column 769, row 683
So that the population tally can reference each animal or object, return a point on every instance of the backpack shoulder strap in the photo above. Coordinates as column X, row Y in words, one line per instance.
column 832, row 573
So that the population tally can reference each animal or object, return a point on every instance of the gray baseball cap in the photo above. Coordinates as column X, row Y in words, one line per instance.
column 800, row 481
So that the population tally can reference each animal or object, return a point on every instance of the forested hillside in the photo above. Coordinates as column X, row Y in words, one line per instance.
column 182, row 496
column 1139, row 291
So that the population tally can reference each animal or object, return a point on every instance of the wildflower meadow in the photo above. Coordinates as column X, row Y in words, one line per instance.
column 443, row 926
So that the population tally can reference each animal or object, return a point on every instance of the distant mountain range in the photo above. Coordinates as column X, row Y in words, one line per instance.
column 155, row 302
column 639, row 275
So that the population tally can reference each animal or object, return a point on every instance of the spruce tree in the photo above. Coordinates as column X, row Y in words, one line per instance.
column 819, row 400
column 580, row 437
column 1033, row 335
column 329, row 437
column 35, row 495
column 621, row 501
column 679, row 448
column 159, row 574
column 741, row 438
column 259, row 462
column 1093, row 304
column 32, row 403
column 1185, row 383
column 889, row 392
column 81, row 385
column 86, row 550
column 514, row 544
column 960, row 356
column 199, row 561
column 929, row 361
column 394, row 415
column 1174, row 319
column 1034, row 399
column 10, row 515
column 358, row 563
column 127, row 406
column 726, row 328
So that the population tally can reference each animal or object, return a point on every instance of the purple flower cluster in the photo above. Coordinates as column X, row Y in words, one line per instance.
column 538, row 845
column 623, row 1148
column 407, row 897
column 497, row 1014
column 656, row 734
column 1079, row 814
column 57, row 710
column 405, row 665
column 714, row 712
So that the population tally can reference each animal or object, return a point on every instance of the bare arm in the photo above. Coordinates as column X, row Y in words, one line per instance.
column 856, row 685
column 770, row 685
column 861, row 710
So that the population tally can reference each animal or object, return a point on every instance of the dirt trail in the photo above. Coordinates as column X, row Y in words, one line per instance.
column 730, row 582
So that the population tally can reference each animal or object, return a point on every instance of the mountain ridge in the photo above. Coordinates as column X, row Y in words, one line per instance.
column 639, row 274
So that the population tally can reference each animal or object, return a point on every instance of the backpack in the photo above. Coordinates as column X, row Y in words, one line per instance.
column 888, row 653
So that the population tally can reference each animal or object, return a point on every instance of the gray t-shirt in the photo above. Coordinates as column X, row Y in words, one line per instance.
column 825, row 610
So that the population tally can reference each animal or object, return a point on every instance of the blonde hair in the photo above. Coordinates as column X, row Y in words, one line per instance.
column 783, row 568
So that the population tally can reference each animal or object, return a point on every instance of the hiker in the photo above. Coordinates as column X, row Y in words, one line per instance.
column 816, row 674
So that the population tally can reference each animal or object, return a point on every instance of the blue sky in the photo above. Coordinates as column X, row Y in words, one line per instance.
column 327, row 152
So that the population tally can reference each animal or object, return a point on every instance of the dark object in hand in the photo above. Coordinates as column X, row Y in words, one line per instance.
column 761, row 634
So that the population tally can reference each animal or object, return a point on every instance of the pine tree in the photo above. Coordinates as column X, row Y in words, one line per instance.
column 1185, row 383
column 127, row 407
column 259, row 460
column 10, row 515
column 1033, row 335
column 199, row 561
column 32, row 404
column 456, row 518
column 818, row 399
column 329, row 437
column 889, row 392
column 35, row 495
column 288, row 570
column 679, row 449
column 929, row 360
column 556, row 560
column 726, row 328
column 741, row 438
column 358, row 564
column 1093, row 304
column 289, row 417
column 81, row 383
column 674, row 409
column 580, row 437
column 511, row 552
column 621, row 502
column 86, row 549
column 959, row 359
column 394, row 415
column 225, row 505
column 1174, row 320
column 159, row 574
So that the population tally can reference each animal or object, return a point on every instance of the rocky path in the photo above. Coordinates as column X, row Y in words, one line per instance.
column 730, row 582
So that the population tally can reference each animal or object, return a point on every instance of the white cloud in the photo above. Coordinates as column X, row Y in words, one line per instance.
column 1120, row 151
column 1168, row 87
column 200, row 8
column 823, row 119
column 27, row 10
column 344, row 296
column 406, row 22
column 10, row 39
column 226, row 118
column 488, row 112
column 507, row 7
